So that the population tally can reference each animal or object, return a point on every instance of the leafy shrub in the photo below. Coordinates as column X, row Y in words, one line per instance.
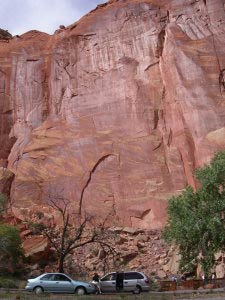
column 196, row 218
column 10, row 243
column 7, row 283
column 154, row 285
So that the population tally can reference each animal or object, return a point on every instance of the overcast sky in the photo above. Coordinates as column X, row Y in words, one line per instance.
column 19, row 16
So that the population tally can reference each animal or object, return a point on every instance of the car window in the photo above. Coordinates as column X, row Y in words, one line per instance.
column 139, row 276
column 108, row 277
column 47, row 277
column 133, row 275
column 60, row 277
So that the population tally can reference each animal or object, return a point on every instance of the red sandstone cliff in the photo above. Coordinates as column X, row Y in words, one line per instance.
column 115, row 111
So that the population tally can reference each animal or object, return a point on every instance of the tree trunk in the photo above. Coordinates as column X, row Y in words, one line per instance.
column 61, row 263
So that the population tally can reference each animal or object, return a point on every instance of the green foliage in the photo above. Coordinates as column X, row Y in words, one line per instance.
column 196, row 219
column 37, row 228
column 7, row 283
column 154, row 285
column 10, row 243
column 3, row 201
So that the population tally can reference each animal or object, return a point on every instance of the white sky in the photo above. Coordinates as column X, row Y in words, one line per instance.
column 19, row 16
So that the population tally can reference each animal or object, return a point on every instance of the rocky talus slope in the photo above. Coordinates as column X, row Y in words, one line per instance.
column 134, row 249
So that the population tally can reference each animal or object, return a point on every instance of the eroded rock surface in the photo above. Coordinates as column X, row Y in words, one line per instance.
column 115, row 111
column 6, row 178
column 35, row 248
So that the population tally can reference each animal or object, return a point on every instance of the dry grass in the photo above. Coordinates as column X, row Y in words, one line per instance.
column 144, row 296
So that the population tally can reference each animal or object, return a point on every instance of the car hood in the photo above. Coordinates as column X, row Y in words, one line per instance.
column 32, row 280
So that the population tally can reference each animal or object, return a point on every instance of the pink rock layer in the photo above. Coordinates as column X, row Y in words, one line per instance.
column 116, row 111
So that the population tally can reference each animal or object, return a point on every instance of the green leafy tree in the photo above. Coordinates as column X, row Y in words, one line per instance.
column 3, row 203
column 196, row 219
column 10, row 244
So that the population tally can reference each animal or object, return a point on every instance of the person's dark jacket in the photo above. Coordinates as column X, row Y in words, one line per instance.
column 96, row 278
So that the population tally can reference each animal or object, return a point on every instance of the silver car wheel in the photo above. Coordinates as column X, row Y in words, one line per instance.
column 80, row 291
column 38, row 290
column 137, row 290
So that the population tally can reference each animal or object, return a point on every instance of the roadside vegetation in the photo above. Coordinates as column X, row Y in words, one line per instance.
column 8, row 283
column 10, row 246
column 196, row 219
column 144, row 296
column 3, row 204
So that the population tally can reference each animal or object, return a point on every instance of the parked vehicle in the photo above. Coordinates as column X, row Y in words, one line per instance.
column 132, row 281
column 59, row 283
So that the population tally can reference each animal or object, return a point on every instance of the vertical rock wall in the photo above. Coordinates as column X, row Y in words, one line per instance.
column 116, row 111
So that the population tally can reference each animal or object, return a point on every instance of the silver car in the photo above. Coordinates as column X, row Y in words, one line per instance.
column 59, row 283
column 132, row 281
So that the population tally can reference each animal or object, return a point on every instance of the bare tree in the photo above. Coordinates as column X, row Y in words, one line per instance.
column 74, row 232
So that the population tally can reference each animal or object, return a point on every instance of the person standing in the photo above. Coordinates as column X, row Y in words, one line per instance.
column 95, row 281
column 119, row 281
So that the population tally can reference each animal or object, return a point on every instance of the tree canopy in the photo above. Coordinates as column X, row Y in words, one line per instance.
column 3, row 202
column 10, row 243
column 196, row 219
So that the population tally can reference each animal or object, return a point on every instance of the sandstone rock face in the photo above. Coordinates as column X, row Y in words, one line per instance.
column 115, row 111
column 35, row 248
column 6, row 178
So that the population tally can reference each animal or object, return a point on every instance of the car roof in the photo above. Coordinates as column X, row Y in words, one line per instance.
column 125, row 272
column 54, row 273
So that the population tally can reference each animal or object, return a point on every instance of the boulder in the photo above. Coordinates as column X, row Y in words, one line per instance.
column 129, row 256
column 101, row 254
column 218, row 256
column 121, row 240
column 161, row 274
column 220, row 271
column 35, row 248
column 129, row 230
column 25, row 233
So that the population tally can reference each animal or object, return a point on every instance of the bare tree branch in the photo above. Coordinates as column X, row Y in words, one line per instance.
column 73, row 230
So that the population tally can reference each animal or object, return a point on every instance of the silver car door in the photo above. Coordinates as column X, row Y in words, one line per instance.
column 46, row 282
column 108, row 283
column 54, row 284
column 130, row 281
column 68, row 286
column 63, row 284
